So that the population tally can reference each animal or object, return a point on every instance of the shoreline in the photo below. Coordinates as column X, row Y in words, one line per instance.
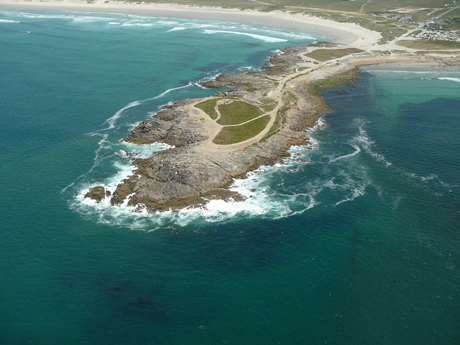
column 343, row 33
column 409, row 67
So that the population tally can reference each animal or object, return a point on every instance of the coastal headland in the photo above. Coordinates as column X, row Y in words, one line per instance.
column 261, row 115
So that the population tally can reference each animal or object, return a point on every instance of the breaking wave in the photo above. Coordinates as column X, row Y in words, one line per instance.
column 177, row 28
column 451, row 79
column 9, row 21
column 259, row 37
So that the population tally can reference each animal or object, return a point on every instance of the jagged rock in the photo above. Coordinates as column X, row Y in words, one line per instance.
column 249, row 82
column 172, row 125
column 97, row 193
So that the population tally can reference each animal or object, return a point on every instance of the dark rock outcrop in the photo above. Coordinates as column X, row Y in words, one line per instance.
column 172, row 125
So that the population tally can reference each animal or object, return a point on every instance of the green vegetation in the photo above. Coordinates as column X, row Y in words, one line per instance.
column 235, row 134
column 275, row 128
column 334, row 82
column 208, row 107
column 237, row 112
column 454, row 19
column 289, row 100
column 326, row 5
column 329, row 54
column 429, row 44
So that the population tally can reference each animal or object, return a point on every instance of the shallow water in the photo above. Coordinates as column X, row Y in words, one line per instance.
column 353, row 240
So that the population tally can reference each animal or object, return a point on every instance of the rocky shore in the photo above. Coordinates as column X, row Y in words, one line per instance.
column 195, row 170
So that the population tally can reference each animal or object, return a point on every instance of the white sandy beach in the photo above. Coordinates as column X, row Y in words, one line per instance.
column 345, row 33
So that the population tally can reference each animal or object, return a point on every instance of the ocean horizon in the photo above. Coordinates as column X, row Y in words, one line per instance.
column 354, row 239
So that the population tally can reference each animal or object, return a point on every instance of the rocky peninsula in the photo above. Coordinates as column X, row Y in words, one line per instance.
column 223, row 137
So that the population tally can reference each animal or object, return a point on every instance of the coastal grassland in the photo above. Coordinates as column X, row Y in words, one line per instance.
column 267, row 104
column 209, row 107
column 237, row 112
column 329, row 54
column 333, row 82
column 429, row 44
column 235, row 134
column 424, row 14
column 454, row 19
column 305, row 5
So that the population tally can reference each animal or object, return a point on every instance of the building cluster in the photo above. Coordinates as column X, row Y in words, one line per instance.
column 438, row 34
column 434, row 29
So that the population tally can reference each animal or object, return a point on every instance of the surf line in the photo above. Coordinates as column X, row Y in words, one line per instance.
column 111, row 124
column 358, row 150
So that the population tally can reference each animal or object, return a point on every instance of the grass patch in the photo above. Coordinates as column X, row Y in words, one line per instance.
column 208, row 107
column 237, row 112
column 429, row 44
column 236, row 134
column 329, row 54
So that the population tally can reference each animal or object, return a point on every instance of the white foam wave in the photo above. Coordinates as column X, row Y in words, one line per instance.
column 430, row 178
column 177, row 28
column 356, row 193
column 143, row 151
column 89, row 19
column 45, row 16
column 357, row 150
column 259, row 37
column 9, row 21
column 297, row 36
column 137, row 24
column 111, row 120
column 363, row 141
column 167, row 22
column 451, row 79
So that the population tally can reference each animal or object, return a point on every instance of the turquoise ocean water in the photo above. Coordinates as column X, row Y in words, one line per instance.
column 355, row 240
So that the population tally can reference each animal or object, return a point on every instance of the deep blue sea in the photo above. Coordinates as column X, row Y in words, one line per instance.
column 354, row 240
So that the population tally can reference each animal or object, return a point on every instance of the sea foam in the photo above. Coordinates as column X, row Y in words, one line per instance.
column 259, row 37
column 9, row 21
column 450, row 79
column 177, row 28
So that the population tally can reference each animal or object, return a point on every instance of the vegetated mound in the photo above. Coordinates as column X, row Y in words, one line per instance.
column 209, row 107
column 235, row 134
column 329, row 54
column 237, row 112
